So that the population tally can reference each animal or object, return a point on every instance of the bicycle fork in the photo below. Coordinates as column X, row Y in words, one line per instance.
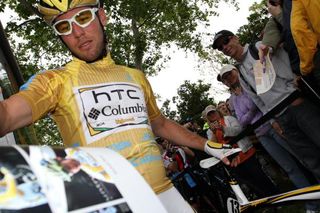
column 241, row 197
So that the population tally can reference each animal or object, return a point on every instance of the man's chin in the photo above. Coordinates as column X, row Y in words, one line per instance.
column 231, row 54
column 91, row 59
column 82, row 56
column 235, row 85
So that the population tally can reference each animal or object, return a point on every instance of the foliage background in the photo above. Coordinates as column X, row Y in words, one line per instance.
column 138, row 33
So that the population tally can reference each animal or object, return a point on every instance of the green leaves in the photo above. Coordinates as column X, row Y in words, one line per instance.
column 137, row 33
column 138, row 29
column 256, row 22
column 192, row 99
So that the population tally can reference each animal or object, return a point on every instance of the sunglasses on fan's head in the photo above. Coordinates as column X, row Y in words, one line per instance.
column 224, row 41
column 83, row 18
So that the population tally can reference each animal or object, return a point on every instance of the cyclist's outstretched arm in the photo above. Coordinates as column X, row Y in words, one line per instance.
column 175, row 133
column 15, row 112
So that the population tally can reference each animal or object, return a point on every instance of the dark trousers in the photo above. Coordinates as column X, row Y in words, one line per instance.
column 251, row 172
column 311, row 86
column 316, row 69
column 301, row 126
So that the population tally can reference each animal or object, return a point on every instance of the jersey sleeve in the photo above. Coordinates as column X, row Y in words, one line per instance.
column 304, row 36
column 41, row 92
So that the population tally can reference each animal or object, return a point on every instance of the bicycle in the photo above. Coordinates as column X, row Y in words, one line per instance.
column 236, row 200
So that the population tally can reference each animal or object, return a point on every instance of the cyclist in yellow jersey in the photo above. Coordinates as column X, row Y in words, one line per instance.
column 97, row 103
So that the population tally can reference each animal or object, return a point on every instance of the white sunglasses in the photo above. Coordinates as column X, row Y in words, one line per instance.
column 83, row 18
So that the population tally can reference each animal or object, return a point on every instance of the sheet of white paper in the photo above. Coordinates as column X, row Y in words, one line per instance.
column 264, row 74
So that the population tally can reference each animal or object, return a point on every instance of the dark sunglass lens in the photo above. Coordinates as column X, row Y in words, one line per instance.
column 226, row 75
column 226, row 40
column 273, row 3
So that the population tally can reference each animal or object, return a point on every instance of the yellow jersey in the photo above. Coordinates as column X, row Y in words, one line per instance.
column 102, row 105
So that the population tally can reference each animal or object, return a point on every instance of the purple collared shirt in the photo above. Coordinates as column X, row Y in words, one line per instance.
column 247, row 112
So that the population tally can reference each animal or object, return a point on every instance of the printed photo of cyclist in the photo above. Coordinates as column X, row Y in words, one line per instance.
column 73, row 174
column 19, row 187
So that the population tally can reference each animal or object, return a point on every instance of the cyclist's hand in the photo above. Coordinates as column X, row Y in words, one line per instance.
column 235, row 161
column 218, row 150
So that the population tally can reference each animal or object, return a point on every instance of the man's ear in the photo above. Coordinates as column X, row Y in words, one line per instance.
column 103, row 17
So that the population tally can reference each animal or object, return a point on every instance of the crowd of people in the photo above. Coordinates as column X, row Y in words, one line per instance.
column 291, row 136
column 100, row 104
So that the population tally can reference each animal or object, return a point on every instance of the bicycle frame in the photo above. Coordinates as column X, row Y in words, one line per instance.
column 307, row 193
column 242, row 204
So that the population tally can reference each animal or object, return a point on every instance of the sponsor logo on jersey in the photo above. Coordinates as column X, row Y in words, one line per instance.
column 110, row 108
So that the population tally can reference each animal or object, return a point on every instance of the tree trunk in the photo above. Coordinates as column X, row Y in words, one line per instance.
column 138, row 53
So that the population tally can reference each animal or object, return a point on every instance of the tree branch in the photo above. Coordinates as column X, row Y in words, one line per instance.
column 151, row 16
column 30, row 8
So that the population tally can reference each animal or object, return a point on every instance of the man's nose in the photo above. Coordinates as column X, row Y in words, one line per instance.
column 77, row 31
column 224, row 46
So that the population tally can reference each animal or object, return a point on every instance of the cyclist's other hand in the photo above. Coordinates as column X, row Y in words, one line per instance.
column 218, row 150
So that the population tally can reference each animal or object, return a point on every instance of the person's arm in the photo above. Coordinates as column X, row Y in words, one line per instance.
column 15, row 113
column 179, row 135
column 304, row 37
column 232, row 128
column 245, row 118
column 271, row 32
column 255, row 98
column 173, row 132
column 271, row 35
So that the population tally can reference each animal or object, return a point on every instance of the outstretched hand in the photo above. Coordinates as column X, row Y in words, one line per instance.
column 220, row 151
column 263, row 51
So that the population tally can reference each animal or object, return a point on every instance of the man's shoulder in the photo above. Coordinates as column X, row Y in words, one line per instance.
column 136, row 74
column 55, row 71
column 253, row 49
column 133, row 71
column 43, row 76
column 48, row 74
